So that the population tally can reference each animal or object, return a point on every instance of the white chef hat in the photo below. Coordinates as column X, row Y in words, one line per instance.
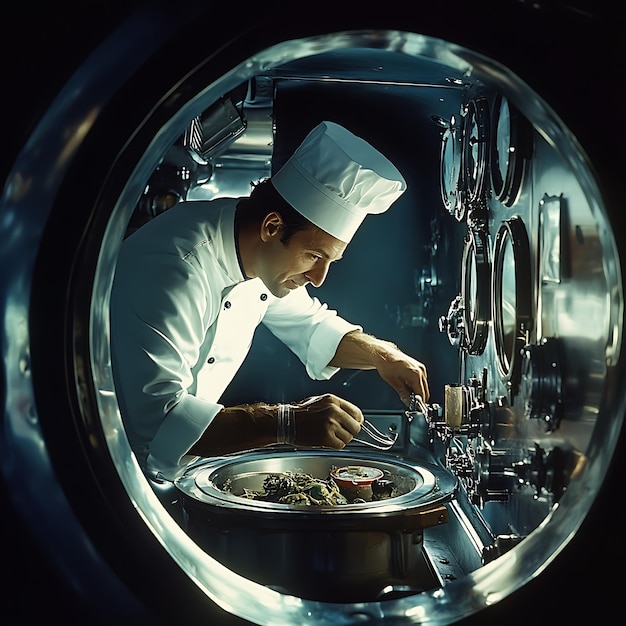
column 335, row 179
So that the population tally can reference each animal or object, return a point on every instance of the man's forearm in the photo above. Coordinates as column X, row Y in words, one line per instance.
column 358, row 350
column 237, row 428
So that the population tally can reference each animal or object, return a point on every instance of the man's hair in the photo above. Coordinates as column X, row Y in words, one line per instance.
column 262, row 200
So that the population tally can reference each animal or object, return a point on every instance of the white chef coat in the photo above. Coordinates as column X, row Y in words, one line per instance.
column 182, row 321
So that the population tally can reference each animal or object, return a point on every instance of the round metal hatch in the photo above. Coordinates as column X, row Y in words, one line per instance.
column 476, row 284
column 511, row 147
column 511, row 299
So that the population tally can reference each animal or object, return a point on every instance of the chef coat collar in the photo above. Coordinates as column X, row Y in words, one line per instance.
column 221, row 221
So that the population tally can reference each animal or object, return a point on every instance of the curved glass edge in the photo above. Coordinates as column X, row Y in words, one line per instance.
column 25, row 205
column 459, row 599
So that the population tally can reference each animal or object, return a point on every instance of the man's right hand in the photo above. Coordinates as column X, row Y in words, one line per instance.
column 327, row 421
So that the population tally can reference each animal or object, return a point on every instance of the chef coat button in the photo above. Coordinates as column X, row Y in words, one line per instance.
column 211, row 359
column 227, row 304
column 263, row 297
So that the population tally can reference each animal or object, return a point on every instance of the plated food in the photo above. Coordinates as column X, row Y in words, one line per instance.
column 296, row 488
column 343, row 485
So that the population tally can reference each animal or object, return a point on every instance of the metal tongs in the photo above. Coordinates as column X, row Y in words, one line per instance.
column 380, row 440
column 385, row 442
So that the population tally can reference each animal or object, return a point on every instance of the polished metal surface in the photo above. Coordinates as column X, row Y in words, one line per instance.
column 541, row 368
column 476, row 290
column 419, row 485
column 343, row 553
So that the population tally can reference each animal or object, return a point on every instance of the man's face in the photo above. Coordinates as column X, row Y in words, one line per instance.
column 304, row 259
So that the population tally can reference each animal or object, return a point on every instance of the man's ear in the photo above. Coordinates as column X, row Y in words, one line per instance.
column 271, row 226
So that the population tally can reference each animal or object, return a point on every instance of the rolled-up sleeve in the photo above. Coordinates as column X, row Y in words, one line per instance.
column 178, row 431
column 310, row 329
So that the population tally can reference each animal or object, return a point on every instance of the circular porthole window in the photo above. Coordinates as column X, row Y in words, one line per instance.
column 511, row 299
column 476, row 141
column 451, row 171
column 79, row 180
column 511, row 148
column 476, row 284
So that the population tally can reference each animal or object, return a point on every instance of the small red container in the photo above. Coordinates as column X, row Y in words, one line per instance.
column 355, row 481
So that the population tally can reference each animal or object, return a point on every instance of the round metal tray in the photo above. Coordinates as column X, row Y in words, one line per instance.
column 422, row 485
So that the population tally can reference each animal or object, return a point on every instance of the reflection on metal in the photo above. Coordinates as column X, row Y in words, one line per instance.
column 343, row 553
column 192, row 160
column 476, row 285
column 510, row 149
column 211, row 132
column 548, row 471
column 465, row 411
column 511, row 299
column 454, row 406
column 542, row 383
column 502, row 544
column 553, row 255
column 221, row 483
column 452, row 180
column 476, row 146
column 453, row 324
column 427, row 282
column 465, row 430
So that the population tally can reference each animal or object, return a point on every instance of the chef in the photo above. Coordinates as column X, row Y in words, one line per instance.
column 192, row 285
